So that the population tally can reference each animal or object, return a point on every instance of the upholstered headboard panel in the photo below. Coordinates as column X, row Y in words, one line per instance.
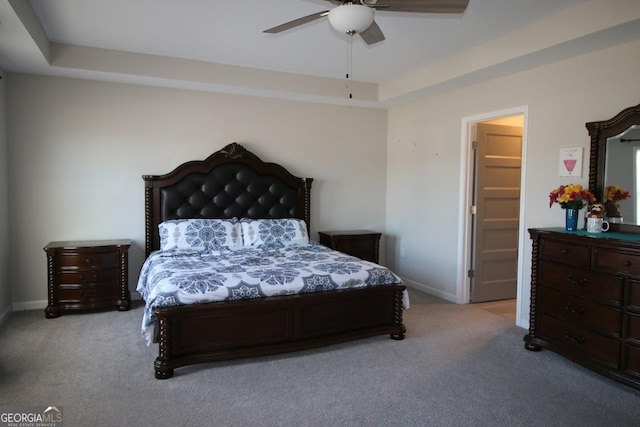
column 232, row 182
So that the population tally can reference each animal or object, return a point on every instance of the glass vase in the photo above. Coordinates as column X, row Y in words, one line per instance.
column 571, row 219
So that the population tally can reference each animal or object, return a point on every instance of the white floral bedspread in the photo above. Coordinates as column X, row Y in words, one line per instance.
column 179, row 277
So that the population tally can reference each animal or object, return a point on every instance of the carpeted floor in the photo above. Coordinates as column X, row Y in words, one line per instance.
column 459, row 365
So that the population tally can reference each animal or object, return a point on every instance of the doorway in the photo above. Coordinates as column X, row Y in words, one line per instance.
column 495, row 217
column 505, row 213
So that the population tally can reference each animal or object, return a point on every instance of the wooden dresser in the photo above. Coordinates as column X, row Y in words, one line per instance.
column 364, row 244
column 585, row 300
column 86, row 275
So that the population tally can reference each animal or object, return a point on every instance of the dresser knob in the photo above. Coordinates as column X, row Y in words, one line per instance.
column 573, row 281
column 626, row 263
column 565, row 251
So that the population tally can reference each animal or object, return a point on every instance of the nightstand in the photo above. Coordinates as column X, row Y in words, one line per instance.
column 364, row 244
column 87, row 275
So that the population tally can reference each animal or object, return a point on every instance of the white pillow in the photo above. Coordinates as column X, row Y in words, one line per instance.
column 200, row 234
column 274, row 232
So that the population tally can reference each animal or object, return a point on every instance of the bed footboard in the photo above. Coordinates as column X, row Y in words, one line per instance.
column 228, row 330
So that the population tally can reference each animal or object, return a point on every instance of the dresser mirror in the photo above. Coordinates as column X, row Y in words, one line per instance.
column 615, row 160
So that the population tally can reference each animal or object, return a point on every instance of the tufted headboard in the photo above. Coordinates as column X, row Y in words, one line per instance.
column 232, row 182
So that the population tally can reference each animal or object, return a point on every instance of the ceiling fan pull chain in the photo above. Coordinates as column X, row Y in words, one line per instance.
column 349, row 64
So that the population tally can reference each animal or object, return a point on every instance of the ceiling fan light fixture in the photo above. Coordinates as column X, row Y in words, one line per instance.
column 351, row 18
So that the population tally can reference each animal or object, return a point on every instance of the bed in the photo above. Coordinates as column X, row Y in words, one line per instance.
column 282, row 292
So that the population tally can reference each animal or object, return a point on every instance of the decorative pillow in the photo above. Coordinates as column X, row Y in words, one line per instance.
column 200, row 234
column 274, row 232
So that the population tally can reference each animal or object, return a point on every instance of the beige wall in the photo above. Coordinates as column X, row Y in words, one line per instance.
column 78, row 149
column 5, row 288
column 424, row 157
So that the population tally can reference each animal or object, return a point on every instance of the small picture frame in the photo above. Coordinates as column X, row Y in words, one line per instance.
column 571, row 162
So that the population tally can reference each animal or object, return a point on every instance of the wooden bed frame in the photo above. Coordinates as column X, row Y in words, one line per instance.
column 234, row 182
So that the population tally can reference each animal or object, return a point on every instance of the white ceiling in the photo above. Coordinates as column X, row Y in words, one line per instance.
column 231, row 32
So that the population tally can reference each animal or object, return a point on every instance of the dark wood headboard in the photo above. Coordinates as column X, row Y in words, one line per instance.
column 232, row 182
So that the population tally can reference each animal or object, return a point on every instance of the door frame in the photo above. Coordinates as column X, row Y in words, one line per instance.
column 463, row 288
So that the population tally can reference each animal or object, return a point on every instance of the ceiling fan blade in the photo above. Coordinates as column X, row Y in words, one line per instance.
column 296, row 22
column 373, row 34
column 420, row 6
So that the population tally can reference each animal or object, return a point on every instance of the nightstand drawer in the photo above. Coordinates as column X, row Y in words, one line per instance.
column 89, row 276
column 88, row 261
column 82, row 293
column 353, row 246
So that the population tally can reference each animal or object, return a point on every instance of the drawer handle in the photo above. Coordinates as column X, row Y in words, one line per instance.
column 89, row 279
column 573, row 281
column 577, row 340
column 91, row 293
column 572, row 309
column 626, row 263
column 565, row 251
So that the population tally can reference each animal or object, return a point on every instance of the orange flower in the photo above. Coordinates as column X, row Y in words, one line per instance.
column 613, row 193
column 571, row 196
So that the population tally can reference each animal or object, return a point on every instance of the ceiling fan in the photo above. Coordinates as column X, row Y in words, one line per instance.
column 357, row 17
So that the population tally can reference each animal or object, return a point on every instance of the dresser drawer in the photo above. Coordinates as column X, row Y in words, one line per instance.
column 632, row 365
column 88, row 261
column 634, row 327
column 85, row 277
column 566, row 253
column 580, row 310
column 579, row 282
column 607, row 260
column 585, row 300
column 634, row 294
column 579, row 342
column 84, row 293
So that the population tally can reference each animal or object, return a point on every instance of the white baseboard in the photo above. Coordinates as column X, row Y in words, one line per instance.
column 5, row 315
column 29, row 305
column 429, row 290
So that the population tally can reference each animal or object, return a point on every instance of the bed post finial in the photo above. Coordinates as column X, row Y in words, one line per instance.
column 234, row 150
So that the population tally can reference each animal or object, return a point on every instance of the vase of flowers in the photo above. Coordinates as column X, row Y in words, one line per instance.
column 571, row 198
column 612, row 196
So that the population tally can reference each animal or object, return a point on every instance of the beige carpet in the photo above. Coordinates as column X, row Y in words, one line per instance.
column 503, row 308
column 459, row 365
